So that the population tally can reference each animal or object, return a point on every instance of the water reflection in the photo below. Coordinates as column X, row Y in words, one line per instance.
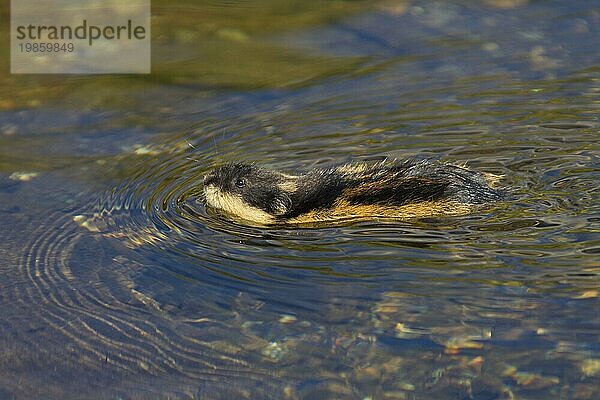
column 119, row 283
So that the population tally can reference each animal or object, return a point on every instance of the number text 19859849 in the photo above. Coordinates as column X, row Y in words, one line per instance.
column 35, row 47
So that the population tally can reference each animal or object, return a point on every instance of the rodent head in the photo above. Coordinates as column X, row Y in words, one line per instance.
column 248, row 191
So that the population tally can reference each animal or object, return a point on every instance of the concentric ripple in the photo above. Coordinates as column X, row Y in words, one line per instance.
column 105, row 279
column 118, row 283
column 143, row 285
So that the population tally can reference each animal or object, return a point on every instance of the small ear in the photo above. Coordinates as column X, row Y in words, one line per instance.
column 282, row 204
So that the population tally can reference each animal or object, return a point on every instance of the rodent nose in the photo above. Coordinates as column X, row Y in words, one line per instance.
column 209, row 178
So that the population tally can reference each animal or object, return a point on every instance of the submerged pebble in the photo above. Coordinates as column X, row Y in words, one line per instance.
column 23, row 176
column 287, row 319
column 8, row 129
column 590, row 367
column 85, row 222
column 531, row 380
column 275, row 351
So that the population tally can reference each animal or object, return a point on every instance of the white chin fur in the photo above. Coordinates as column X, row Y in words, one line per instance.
column 235, row 205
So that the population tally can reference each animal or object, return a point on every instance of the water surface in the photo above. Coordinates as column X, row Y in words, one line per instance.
column 118, row 283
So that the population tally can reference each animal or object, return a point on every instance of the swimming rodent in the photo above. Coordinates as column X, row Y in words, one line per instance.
column 388, row 189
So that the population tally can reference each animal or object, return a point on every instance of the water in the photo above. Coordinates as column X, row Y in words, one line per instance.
column 117, row 283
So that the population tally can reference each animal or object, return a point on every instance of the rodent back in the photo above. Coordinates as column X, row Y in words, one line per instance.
column 280, row 197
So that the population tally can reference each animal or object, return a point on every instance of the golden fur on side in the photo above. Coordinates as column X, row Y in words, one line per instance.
column 342, row 210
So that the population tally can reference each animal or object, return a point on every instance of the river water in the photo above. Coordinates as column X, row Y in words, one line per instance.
column 118, row 284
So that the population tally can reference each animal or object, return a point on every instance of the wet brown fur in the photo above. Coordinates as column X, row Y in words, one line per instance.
column 344, row 211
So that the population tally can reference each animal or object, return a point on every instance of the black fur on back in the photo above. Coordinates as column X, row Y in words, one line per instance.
column 394, row 183
column 316, row 190
column 400, row 182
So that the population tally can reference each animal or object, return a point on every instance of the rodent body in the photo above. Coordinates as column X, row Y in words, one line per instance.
column 390, row 189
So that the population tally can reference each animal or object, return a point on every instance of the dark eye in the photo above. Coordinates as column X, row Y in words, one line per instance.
column 240, row 182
